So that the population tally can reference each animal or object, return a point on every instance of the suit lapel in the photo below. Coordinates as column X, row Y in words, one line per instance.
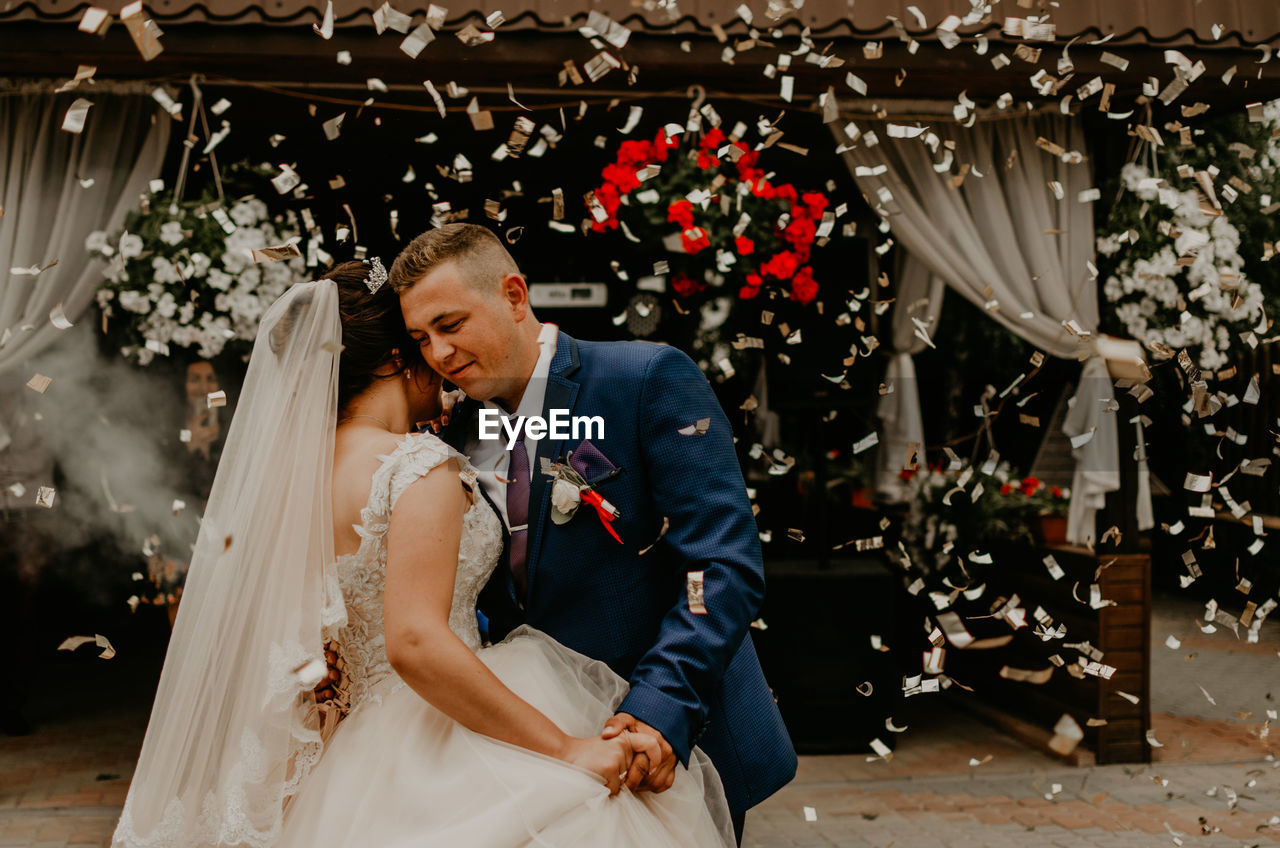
column 562, row 393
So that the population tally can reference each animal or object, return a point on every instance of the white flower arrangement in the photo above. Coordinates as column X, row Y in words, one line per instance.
column 1177, row 278
column 188, row 279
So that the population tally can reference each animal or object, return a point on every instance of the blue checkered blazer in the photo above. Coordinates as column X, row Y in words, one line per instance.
column 694, row 677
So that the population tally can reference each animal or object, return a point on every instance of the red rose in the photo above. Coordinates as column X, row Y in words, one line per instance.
column 783, row 265
column 816, row 202
column 1056, row 492
column 744, row 245
column 694, row 240
column 752, row 288
column 706, row 161
column 623, row 176
column 804, row 287
column 713, row 139
column 686, row 285
column 786, row 191
column 1006, row 489
column 634, row 153
column 681, row 212
column 662, row 144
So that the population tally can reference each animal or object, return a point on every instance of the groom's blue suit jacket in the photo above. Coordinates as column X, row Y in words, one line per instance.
column 694, row 677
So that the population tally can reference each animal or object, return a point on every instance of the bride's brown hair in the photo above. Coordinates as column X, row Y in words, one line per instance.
column 373, row 332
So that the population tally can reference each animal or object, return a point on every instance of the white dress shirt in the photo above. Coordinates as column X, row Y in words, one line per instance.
column 490, row 456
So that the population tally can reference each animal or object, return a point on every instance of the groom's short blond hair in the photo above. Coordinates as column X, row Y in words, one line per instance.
column 479, row 254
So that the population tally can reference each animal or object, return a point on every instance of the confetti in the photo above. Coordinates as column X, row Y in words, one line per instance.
column 71, row 643
column 216, row 399
column 698, row 428
column 45, row 496
column 39, row 383
column 76, row 116
column 695, row 592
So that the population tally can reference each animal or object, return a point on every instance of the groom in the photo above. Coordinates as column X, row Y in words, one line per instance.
column 655, row 568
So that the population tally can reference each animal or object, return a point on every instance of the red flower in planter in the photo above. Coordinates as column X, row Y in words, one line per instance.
column 1006, row 489
column 1055, row 491
column 752, row 288
column 686, row 285
column 681, row 212
column 804, row 287
column 662, row 144
column 621, row 175
column 816, row 202
column 694, row 239
column 1030, row 485
column 783, row 265
column 744, row 245
column 712, row 139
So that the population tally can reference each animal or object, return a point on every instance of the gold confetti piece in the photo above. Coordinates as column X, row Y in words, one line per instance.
column 698, row 428
column 1152, row 741
column 810, row 813
column 144, row 31
column 416, row 41
column 1198, row 482
column 385, row 18
column 695, row 592
column 216, row 399
column 76, row 115
column 333, row 127
column 39, row 383
column 1067, row 735
column 276, row 254
column 471, row 36
column 324, row 29
column 95, row 20
column 866, row 442
column 436, row 16
column 45, row 496
column 882, row 750
column 974, row 762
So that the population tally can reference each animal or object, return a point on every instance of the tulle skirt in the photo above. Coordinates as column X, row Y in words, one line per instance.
column 400, row 773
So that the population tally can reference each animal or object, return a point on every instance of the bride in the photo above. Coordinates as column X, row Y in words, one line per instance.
column 330, row 519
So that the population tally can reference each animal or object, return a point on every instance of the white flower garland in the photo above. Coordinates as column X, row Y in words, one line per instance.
column 177, row 295
column 1199, row 306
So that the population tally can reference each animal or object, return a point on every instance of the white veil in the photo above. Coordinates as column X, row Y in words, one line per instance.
column 234, row 727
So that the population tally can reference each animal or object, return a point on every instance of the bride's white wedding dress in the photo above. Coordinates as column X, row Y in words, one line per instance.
column 398, row 772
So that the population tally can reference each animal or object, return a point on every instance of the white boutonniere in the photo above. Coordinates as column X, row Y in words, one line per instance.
column 569, row 490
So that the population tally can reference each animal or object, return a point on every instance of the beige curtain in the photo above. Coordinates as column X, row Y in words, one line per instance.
column 919, row 299
column 1008, row 243
column 50, row 206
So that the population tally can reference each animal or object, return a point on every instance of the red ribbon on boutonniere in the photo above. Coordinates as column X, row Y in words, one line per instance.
column 604, row 509
column 569, row 490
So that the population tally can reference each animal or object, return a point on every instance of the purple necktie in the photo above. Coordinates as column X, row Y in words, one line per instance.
column 518, row 516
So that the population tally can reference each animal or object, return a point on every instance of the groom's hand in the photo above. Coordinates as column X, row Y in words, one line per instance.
column 654, row 765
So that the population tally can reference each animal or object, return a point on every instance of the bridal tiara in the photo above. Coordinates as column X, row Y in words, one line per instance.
column 377, row 275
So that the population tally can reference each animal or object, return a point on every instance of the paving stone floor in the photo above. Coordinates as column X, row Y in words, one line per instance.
column 1215, row 783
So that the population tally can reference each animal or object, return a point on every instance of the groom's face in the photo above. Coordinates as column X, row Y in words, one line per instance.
column 467, row 333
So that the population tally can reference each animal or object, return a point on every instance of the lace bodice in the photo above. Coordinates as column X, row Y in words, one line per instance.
column 362, row 575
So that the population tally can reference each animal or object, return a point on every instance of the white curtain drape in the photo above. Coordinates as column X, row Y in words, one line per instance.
column 919, row 299
column 1014, row 239
column 50, row 207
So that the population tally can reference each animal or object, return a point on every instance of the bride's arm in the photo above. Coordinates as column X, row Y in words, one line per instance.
column 422, row 559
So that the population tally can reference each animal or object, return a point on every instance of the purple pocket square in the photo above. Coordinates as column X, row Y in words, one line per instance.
column 588, row 461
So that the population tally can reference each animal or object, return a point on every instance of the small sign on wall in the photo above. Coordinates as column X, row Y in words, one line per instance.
column 567, row 295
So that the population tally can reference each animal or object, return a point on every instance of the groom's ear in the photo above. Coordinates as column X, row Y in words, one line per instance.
column 515, row 291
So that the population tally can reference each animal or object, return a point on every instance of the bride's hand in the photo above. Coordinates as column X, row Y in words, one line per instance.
column 608, row 758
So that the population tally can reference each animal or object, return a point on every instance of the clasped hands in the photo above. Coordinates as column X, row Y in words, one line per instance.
column 628, row 753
